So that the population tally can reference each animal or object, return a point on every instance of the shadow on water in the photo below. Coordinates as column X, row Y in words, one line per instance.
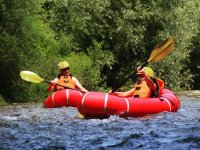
column 30, row 126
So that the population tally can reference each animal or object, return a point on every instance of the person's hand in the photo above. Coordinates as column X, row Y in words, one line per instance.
column 140, row 70
column 110, row 92
column 52, row 82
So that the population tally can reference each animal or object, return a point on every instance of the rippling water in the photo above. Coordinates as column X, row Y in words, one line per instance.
column 30, row 126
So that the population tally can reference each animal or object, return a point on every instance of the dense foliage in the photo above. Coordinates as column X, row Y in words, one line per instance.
column 104, row 40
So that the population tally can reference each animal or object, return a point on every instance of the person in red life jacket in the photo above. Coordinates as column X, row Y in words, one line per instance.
column 65, row 79
column 147, row 85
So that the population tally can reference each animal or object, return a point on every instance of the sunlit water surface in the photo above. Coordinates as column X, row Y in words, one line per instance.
column 30, row 126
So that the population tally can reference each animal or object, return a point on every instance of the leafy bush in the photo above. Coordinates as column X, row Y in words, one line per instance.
column 104, row 41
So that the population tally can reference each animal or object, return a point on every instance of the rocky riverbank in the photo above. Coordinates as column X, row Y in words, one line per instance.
column 190, row 93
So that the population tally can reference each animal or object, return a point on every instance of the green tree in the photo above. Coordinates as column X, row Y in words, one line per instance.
column 129, row 30
column 25, row 44
column 194, row 63
column 104, row 40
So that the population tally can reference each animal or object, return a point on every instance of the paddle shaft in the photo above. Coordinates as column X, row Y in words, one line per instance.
column 158, row 53
column 59, row 85
column 133, row 74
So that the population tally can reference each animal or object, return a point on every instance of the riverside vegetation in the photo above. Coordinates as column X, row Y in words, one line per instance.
column 104, row 40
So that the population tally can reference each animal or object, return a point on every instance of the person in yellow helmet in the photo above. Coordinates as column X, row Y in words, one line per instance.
column 146, row 86
column 65, row 79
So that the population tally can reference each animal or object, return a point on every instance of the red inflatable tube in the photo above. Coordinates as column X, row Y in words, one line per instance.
column 62, row 98
column 102, row 105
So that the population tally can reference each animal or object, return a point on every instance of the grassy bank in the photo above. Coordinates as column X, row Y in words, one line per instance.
column 2, row 101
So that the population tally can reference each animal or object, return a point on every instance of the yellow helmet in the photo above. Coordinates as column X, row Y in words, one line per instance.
column 63, row 64
column 148, row 71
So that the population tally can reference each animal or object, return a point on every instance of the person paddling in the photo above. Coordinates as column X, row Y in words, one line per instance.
column 146, row 86
column 65, row 79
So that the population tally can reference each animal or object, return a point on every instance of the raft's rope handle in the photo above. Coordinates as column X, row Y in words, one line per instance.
column 163, row 98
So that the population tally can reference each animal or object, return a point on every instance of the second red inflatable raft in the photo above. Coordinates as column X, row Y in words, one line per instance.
column 100, row 105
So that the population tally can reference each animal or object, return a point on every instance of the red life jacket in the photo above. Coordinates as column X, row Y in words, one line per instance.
column 161, row 85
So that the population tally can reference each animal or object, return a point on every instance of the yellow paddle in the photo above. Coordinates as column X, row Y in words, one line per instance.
column 31, row 77
column 34, row 78
column 158, row 53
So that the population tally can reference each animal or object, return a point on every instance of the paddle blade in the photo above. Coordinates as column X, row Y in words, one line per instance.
column 162, row 50
column 30, row 77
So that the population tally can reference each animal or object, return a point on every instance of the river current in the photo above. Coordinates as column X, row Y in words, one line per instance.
column 30, row 126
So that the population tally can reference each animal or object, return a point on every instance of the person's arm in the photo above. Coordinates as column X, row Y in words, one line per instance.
column 78, row 85
column 54, row 80
column 52, row 84
column 123, row 94
column 150, row 83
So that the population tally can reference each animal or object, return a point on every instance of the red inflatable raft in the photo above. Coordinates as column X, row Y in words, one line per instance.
column 61, row 98
column 102, row 105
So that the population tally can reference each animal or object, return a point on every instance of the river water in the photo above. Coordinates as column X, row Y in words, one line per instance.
column 30, row 126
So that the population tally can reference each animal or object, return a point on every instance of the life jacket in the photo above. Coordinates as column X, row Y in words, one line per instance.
column 142, row 89
column 65, row 81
